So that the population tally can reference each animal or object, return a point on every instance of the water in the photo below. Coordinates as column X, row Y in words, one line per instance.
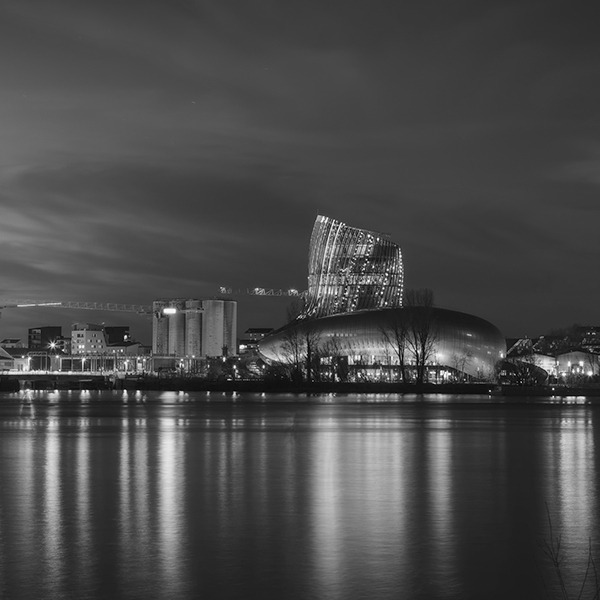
column 109, row 495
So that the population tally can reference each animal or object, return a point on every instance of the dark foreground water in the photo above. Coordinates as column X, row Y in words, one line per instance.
column 105, row 495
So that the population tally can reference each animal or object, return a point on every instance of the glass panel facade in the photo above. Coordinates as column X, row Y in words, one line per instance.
column 351, row 269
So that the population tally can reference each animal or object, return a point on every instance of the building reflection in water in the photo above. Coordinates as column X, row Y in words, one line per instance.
column 320, row 502
column 439, row 482
column 382, row 498
column 326, row 487
column 129, row 502
column 83, row 505
column 170, row 488
column 574, row 513
column 54, row 562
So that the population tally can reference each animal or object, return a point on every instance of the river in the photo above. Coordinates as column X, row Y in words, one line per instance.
column 236, row 496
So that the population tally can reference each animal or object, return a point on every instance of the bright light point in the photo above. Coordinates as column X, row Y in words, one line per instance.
column 169, row 310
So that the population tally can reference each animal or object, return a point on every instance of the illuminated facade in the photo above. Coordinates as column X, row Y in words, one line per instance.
column 87, row 338
column 351, row 269
column 460, row 342
column 354, row 313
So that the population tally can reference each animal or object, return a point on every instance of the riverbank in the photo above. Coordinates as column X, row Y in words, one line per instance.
column 13, row 383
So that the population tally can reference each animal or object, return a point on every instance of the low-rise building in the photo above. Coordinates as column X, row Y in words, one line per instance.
column 20, row 357
column 40, row 338
column 12, row 343
column 252, row 336
column 117, row 334
column 87, row 338
column 578, row 362
column 7, row 362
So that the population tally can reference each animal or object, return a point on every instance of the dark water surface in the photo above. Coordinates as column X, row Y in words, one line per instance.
column 171, row 495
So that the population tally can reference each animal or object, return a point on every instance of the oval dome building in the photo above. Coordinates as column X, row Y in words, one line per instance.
column 368, row 340
column 353, row 315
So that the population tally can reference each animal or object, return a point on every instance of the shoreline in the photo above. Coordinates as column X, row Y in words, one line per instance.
column 15, row 383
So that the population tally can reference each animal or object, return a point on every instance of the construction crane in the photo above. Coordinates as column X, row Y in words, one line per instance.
column 259, row 291
column 140, row 309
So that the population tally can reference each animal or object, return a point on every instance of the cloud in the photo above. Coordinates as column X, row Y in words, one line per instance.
column 584, row 170
column 171, row 147
column 144, row 228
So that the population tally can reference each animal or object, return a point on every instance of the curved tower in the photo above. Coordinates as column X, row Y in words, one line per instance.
column 351, row 269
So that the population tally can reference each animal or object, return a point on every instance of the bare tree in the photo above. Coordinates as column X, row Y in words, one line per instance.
column 311, row 345
column 523, row 368
column 300, row 351
column 292, row 354
column 332, row 354
column 592, row 363
column 460, row 362
column 395, row 332
column 422, row 330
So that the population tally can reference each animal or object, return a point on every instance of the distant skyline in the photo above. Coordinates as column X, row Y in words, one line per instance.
column 163, row 149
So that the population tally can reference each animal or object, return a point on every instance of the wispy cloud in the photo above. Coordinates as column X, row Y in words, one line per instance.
column 178, row 145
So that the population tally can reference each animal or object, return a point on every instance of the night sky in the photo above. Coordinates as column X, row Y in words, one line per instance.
column 162, row 149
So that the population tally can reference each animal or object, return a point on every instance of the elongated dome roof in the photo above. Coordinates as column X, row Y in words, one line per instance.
column 455, row 336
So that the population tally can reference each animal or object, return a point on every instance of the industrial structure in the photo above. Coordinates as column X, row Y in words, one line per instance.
column 194, row 328
column 191, row 329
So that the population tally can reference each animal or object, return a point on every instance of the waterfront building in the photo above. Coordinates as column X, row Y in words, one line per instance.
column 7, row 362
column 22, row 361
column 577, row 362
column 60, row 345
column 252, row 336
column 194, row 328
column 129, row 356
column 560, row 356
column 87, row 338
column 117, row 334
column 351, row 269
column 368, row 342
column 354, row 317
column 40, row 338
column 12, row 343
column 591, row 338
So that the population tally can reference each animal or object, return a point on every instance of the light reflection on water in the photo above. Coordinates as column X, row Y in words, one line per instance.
column 83, row 504
column 52, row 544
column 574, row 455
column 173, row 496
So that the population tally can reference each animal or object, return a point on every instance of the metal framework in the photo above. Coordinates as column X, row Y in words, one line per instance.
column 259, row 291
column 351, row 269
column 111, row 306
